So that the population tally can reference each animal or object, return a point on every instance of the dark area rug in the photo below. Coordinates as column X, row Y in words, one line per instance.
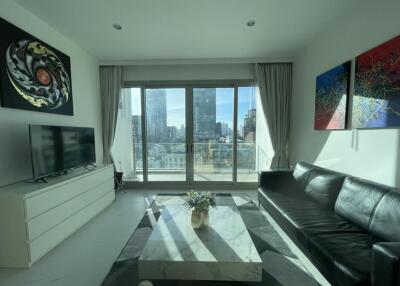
column 280, row 266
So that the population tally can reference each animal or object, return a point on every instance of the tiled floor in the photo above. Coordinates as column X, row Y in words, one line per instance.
column 85, row 258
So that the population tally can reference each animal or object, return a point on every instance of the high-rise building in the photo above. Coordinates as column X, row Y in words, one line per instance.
column 156, row 106
column 182, row 132
column 218, row 129
column 249, row 128
column 137, row 128
column 225, row 129
column 204, row 114
column 171, row 133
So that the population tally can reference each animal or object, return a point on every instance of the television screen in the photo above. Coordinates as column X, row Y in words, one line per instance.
column 56, row 148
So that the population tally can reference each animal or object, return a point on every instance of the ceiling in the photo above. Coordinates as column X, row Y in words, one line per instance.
column 189, row 29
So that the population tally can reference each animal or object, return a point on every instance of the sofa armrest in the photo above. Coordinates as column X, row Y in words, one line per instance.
column 386, row 264
column 276, row 180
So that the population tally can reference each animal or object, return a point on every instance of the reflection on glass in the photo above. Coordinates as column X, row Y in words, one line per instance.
column 166, row 134
column 246, row 135
column 212, row 134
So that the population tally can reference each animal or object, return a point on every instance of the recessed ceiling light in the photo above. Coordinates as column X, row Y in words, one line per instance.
column 251, row 23
column 117, row 26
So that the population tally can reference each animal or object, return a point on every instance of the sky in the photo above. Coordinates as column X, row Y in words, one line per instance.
column 224, row 105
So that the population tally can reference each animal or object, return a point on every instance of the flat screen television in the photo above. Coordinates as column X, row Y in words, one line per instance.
column 55, row 149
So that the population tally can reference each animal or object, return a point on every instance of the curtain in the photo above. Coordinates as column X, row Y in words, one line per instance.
column 275, row 85
column 110, row 92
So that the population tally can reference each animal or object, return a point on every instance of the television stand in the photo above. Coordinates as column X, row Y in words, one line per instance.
column 35, row 218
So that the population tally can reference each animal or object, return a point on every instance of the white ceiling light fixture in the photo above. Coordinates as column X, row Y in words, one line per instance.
column 117, row 26
column 250, row 23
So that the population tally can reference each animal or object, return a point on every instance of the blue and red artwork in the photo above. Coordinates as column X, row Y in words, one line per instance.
column 376, row 102
column 331, row 98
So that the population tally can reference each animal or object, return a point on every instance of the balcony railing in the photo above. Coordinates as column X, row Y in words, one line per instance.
column 212, row 161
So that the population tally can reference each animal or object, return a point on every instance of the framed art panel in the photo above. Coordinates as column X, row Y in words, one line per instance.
column 376, row 102
column 332, row 91
column 33, row 75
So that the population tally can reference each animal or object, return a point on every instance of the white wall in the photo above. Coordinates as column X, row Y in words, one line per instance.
column 371, row 154
column 15, row 163
column 187, row 72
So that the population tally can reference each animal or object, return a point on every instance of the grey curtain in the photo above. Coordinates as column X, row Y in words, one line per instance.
column 275, row 85
column 110, row 92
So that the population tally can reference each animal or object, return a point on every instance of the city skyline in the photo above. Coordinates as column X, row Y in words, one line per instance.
column 176, row 105
column 213, row 117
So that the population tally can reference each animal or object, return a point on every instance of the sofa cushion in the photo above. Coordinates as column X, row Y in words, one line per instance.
column 323, row 187
column 302, row 172
column 302, row 218
column 349, row 256
column 309, row 216
column 279, row 181
column 385, row 222
column 357, row 200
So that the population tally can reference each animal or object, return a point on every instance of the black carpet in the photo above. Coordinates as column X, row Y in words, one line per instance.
column 280, row 266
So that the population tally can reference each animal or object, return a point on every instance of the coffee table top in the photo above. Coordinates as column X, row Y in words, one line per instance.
column 224, row 244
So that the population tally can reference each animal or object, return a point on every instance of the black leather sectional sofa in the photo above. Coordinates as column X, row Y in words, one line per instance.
column 348, row 227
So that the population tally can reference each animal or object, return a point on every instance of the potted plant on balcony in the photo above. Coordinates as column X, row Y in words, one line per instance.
column 199, row 203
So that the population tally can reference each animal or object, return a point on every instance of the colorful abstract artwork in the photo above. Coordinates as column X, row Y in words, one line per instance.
column 33, row 75
column 331, row 98
column 376, row 102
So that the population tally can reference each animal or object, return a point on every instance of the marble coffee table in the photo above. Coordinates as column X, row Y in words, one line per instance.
column 222, row 251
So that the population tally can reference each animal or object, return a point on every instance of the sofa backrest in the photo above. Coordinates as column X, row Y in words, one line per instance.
column 371, row 206
column 302, row 172
column 358, row 199
column 321, row 185
column 385, row 222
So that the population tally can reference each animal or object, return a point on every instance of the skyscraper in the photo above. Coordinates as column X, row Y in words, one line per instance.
column 156, row 106
column 249, row 128
column 137, row 128
column 204, row 114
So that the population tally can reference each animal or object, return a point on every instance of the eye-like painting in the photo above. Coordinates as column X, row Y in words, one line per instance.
column 331, row 98
column 376, row 102
column 33, row 75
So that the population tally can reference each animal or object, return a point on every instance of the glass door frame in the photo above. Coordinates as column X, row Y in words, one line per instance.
column 234, row 125
column 189, row 86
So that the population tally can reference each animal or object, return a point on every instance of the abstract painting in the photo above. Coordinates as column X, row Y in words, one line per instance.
column 33, row 75
column 331, row 98
column 376, row 102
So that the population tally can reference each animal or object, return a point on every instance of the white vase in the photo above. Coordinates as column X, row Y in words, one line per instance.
column 199, row 218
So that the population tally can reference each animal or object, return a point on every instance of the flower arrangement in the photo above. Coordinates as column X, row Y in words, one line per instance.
column 200, row 202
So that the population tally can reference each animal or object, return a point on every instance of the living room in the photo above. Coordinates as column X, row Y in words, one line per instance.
column 199, row 142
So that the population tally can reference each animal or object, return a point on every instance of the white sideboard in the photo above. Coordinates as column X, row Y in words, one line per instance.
column 36, row 217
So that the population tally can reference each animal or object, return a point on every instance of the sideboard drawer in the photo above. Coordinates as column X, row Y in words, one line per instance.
column 49, row 199
column 54, row 236
column 51, row 218
column 99, row 191
column 96, row 207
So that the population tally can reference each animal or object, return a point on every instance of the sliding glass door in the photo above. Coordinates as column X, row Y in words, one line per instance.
column 190, row 134
column 246, row 135
column 213, row 134
column 166, row 134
